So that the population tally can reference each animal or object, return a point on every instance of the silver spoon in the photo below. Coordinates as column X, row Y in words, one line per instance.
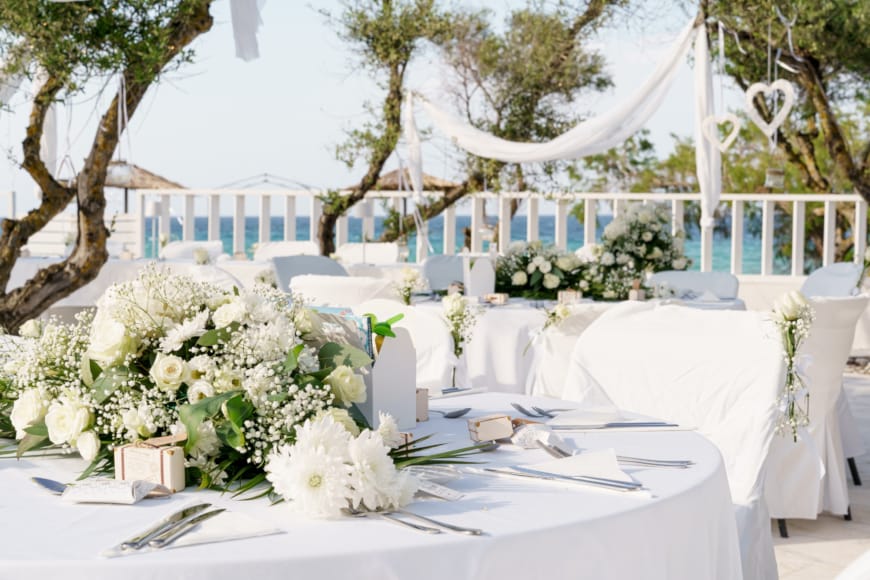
column 452, row 414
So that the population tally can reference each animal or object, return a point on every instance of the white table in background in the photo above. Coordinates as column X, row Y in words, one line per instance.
column 535, row 530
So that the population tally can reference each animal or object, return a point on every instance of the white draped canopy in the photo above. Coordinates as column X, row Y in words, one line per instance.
column 599, row 133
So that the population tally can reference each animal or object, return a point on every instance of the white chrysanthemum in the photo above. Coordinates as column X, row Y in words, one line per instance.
column 325, row 435
column 318, row 483
column 233, row 311
column 340, row 417
column 181, row 333
column 389, row 430
column 199, row 390
column 372, row 471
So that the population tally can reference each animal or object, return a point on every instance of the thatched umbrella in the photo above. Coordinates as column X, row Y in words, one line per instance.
column 127, row 176
column 390, row 182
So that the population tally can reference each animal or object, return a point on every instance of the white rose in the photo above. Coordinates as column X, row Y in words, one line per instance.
column 347, row 386
column 200, row 256
column 607, row 259
column 538, row 261
column 109, row 342
column 615, row 229
column 645, row 216
column 307, row 321
column 29, row 408
column 138, row 422
column 566, row 263
column 641, row 250
column 340, row 417
column 546, row 267
column 31, row 329
column 790, row 305
column 199, row 390
column 65, row 420
column 679, row 264
column 656, row 254
column 647, row 236
column 584, row 285
column 228, row 313
column 531, row 267
column 551, row 281
column 168, row 372
column 88, row 444
column 454, row 304
column 519, row 278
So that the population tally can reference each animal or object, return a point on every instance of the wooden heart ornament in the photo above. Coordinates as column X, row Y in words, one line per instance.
column 787, row 90
column 710, row 129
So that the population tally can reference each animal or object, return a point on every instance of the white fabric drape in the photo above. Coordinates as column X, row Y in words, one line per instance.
column 246, row 23
column 708, row 159
column 587, row 138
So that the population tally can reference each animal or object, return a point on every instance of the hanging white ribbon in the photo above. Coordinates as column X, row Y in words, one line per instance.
column 246, row 23
column 708, row 159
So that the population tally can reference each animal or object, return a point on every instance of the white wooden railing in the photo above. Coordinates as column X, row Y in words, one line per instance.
column 287, row 199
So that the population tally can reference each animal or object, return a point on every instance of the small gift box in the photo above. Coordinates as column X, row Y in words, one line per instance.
column 147, row 462
column 422, row 404
column 636, row 292
column 490, row 428
column 570, row 296
column 497, row 298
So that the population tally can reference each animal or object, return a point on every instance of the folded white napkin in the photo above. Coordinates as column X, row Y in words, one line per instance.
column 225, row 527
column 600, row 463
column 589, row 416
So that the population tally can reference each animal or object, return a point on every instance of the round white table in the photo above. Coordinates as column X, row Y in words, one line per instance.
column 534, row 529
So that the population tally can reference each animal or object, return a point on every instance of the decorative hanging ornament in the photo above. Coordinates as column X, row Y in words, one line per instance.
column 787, row 90
column 710, row 129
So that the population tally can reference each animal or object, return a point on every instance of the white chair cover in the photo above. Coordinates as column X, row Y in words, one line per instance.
column 479, row 276
column 720, row 371
column 722, row 284
column 440, row 270
column 268, row 250
column 551, row 350
column 287, row 267
column 853, row 442
column 430, row 337
column 184, row 250
column 809, row 476
column 368, row 253
column 840, row 279
column 346, row 291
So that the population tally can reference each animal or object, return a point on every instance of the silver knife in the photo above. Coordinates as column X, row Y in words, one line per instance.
column 613, row 425
column 55, row 487
column 608, row 483
column 176, row 532
column 163, row 526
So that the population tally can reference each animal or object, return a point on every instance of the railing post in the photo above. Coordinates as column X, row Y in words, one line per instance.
column 367, row 207
column 617, row 207
column 532, row 232
column 165, row 221
column 139, row 249
column 678, row 215
column 562, row 224
column 798, row 237
column 290, row 218
column 860, row 230
column 767, row 208
column 449, row 231
column 422, row 245
column 341, row 230
column 188, row 227
column 830, row 225
column 314, row 218
column 504, row 223
column 707, row 249
column 737, row 237
column 239, row 226
column 590, row 221
column 477, row 223
column 265, row 233
column 214, row 217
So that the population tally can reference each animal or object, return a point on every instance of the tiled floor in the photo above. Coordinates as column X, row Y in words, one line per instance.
column 820, row 549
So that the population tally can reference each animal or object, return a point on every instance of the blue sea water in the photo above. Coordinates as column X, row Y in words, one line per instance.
column 546, row 229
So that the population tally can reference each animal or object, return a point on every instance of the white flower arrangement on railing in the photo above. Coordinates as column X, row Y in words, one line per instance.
column 411, row 281
column 793, row 315
column 533, row 270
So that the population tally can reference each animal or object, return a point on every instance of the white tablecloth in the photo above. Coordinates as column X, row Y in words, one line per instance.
column 534, row 529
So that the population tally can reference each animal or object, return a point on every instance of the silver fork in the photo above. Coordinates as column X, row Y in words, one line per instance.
column 560, row 453
column 387, row 516
column 525, row 411
column 440, row 524
column 549, row 412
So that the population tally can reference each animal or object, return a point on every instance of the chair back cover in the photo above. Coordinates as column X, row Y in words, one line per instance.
column 268, row 250
column 551, row 350
column 347, row 291
column 368, row 253
column 287, row 267
column 807, row 477
column 840, row 279
column 719, row 371
column 184, row 250
column 723, row 284
column 440, row 270
column 430, row 336
column 478, row 275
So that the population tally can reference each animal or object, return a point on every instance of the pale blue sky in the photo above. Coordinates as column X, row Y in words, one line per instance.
column 220, row 119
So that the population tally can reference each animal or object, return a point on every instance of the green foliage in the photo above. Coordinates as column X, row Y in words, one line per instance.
column 76, row 41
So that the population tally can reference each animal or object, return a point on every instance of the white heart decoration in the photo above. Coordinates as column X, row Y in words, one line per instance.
column 709, row 127
column 787, row 90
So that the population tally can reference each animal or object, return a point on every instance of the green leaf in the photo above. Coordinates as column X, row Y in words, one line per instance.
column 210, row 338
column 238, row 409
column 394, row 319
column 96, row 370
column 292, row 360
column 192, row 415
column 230, row 434
column 216, row 335
column 30, row 442
column 39, row 430
column 332, row 355
column 108, row 383
column 383, row 329
column 537, row 276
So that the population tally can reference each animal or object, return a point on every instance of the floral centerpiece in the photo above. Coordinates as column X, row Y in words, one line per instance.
column 793, row 315
column 533, row 270
column 241, row 374
column 461, row 317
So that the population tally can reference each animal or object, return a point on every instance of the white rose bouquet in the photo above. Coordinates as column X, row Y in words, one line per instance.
column 640, row 238
column 461, row 317
column 410, row 282
column 533, row 270
column 793, row 315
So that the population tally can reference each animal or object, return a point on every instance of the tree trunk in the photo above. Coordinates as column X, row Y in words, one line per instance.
column 89, row 253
